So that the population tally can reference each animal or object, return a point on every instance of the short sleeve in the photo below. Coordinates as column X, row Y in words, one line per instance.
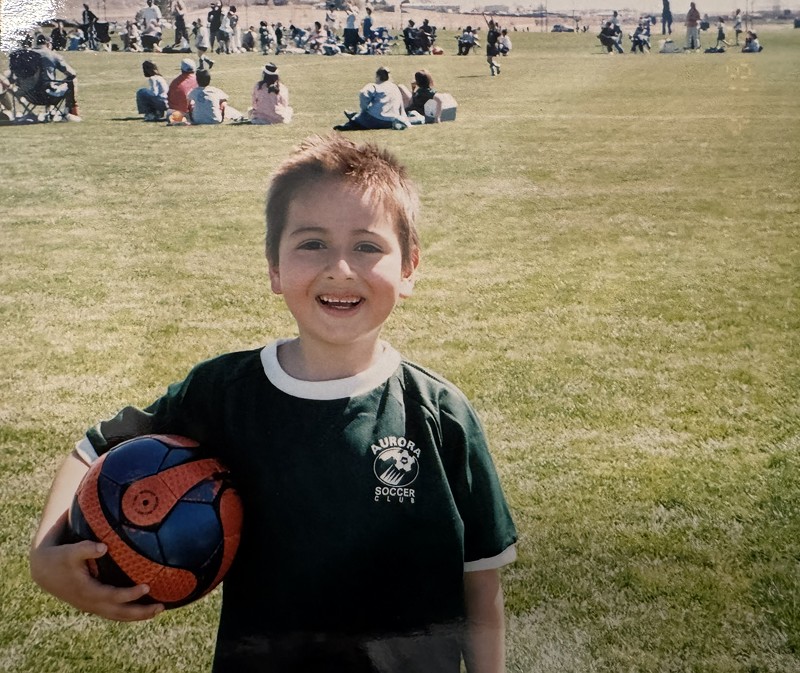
column 177, row 412
column 489, row 532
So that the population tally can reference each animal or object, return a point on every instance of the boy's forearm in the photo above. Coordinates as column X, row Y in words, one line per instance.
column 485, row 649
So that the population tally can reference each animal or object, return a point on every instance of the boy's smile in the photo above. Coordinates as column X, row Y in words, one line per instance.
column 341, row 273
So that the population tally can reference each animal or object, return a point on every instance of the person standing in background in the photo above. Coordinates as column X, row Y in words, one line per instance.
column 737, row 24
column 693, row 27
column 666, row 18
column 214, row 22
column 88, row 21
column 179, row 19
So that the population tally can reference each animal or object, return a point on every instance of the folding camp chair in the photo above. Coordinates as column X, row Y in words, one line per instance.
column 32, row 89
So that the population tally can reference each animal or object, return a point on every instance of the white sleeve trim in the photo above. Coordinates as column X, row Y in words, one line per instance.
column 508, row 555
column 86, row 451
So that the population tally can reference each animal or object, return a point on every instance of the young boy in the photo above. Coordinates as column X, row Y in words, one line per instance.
column 375, row 525
column 208, row 104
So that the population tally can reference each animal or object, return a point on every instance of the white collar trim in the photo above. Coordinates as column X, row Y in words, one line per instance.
column 351, row 386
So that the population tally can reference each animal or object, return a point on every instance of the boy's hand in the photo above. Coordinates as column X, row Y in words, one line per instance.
column 62, row 571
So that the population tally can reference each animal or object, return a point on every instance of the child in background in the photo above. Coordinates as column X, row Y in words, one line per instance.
column 504, row 43
column 202, row 44
column 751, row 43
column 151, row 100
column 721, row 43
column 270, row 99
column 375, row 525
column 209, row 105
column 492, row 46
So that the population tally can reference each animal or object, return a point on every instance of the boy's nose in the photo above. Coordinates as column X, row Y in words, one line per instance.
column 339, row 267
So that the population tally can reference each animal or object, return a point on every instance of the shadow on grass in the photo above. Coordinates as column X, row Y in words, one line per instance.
column 127, row 119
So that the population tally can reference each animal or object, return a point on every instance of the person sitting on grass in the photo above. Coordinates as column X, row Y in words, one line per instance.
column 609, row 38
column 249, row 39
column 270, row 99
column 466, row 41
column 504, row 43
column 751, row 43
column 209, row 105
column 640, row 39
column 381, row 105
column 316, row 39
column 421, row 92
column 361, row 466
column 151, row 100
column 151, row 37
column 179, row 88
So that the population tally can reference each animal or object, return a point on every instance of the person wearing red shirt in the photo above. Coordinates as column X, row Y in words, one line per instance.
column 179, row 88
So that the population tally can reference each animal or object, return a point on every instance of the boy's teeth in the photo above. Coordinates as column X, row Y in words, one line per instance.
column 340, row 301
column 347, row 300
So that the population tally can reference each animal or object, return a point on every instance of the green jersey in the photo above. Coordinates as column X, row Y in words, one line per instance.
column 366, row 499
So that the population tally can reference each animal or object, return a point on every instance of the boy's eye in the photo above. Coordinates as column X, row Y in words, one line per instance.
column 311, row 245
column 367, row 247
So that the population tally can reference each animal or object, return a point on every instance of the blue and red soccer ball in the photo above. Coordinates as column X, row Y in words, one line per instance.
column 168, row 513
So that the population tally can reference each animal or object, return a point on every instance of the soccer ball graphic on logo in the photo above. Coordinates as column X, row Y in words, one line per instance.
column 168, row 513
column 396, row 467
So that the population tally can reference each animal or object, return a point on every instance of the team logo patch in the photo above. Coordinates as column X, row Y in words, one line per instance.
column 396, row 467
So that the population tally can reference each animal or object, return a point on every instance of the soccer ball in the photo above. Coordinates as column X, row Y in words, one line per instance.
column 169, row 514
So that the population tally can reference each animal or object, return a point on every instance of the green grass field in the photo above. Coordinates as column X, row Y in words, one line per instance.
column 611, row 272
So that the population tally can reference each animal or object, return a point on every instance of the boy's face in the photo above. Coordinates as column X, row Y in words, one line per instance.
column 340, row 266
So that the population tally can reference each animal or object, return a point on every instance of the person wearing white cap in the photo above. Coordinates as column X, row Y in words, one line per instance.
column 179, row 88
column 270, row 99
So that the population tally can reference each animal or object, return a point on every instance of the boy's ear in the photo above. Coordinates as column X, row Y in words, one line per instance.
column 275, row 278
column 409, row 274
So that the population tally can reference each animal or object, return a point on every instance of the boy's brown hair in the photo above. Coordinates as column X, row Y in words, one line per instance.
column 382, row 178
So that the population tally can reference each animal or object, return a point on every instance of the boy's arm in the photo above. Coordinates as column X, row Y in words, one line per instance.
column 485, row 650
column 61, row 570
